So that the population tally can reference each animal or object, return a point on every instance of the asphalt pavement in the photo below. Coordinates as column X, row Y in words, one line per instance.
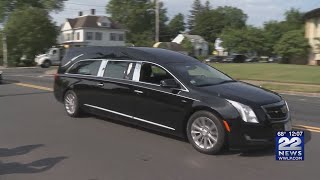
column 38, row 141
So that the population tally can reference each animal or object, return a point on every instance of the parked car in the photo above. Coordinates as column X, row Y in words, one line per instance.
column 214, row 59
column 0, row 77
column 252, row 59
column 236, row 58
column 170, row 92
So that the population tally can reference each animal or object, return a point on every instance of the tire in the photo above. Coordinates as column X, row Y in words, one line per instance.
column 71, row 104
column 46, row 64
column 208, row 137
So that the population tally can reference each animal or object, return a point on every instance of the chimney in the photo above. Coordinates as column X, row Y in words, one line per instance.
column 93, row 12
column 80, row 13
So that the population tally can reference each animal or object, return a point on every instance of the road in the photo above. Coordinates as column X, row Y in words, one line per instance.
column 39, row 141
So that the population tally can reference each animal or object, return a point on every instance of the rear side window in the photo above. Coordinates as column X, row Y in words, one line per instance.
column 86, row 68
column 119, row 69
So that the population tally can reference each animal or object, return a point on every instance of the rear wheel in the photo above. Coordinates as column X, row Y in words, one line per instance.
column 71, row 104
column 205, row 132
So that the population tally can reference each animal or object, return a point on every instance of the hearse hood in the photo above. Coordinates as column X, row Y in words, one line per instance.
column 243, row 93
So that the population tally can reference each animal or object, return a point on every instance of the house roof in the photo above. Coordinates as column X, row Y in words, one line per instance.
column 169, row 45
column 194, row 37
column 312, row 13
column 91, row 21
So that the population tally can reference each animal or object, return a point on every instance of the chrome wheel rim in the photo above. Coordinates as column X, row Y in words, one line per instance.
column 204, row 133
column 70, row 103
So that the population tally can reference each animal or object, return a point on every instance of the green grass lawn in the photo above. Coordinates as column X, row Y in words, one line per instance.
column 272, row 72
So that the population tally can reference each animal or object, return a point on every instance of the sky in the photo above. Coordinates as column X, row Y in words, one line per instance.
column 259, row 11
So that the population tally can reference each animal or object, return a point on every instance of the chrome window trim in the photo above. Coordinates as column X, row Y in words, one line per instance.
column 67, row 71
column 102, row 68
column 76, row 57
column 129, row 116
column 136, row 72
column 112, row 80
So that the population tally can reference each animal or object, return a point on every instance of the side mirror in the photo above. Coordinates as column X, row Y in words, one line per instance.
column 169, row 83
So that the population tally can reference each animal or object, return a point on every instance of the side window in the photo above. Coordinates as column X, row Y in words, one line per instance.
column 150, row 73
column 86, row 68
column 119, row 69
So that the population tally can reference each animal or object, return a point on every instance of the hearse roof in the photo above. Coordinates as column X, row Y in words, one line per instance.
column 156, row 55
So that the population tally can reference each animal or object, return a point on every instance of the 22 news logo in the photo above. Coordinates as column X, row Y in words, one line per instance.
column 290, row 146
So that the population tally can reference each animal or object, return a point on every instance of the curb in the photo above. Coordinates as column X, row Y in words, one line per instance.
column 317, row 95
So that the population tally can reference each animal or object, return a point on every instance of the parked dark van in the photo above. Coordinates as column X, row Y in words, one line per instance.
column 170, row 92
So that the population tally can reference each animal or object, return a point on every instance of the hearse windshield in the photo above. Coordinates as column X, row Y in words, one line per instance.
column 199, row 74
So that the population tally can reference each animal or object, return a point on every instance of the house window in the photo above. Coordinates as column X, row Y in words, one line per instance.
column 78, row 36
column 89, row 36
column 99, row 36
column 113, row 36
column 121, row 37
column 68, row 37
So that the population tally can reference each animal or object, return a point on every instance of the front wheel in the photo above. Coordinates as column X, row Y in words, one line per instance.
column 71, row 104
column 46, row 64
column 205, row 132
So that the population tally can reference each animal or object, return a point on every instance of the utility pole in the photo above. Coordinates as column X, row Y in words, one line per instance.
column 4, row 43
column 157, row 19
column 4, row 48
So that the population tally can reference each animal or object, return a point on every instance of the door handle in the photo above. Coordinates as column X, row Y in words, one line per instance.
column 137, row 91
column 100, row 84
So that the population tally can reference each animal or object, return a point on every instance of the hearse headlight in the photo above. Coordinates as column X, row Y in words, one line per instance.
column 245, row 112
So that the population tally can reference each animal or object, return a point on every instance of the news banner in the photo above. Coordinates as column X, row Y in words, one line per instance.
column 290, row 146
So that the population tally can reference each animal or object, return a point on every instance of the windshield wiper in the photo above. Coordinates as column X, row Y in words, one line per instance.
column 227, row 81
column 203, row 85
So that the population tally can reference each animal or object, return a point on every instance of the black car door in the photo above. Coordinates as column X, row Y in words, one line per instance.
column 157, row 106
column 113, row 94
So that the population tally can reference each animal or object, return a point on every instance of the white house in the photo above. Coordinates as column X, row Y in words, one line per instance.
column 92, row 30
column 200, row 46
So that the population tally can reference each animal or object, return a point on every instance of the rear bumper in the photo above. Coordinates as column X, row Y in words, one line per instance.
column 247, row 135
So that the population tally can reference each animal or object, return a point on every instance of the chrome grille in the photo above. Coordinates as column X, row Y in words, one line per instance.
column 277, row 111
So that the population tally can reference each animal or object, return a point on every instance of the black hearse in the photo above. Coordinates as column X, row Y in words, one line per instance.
column 169, row 92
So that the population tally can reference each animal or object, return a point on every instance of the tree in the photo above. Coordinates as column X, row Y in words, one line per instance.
column 29, row 32
column 207, row 6
column 293, row 46
column 245, row 40
column 233, row 17
column 176, row 25
column 274, row 30
column 7, row 6
column 197, row 8
column 211, row 23
column 187, row 45
column 138, row 16
column 294, row 19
